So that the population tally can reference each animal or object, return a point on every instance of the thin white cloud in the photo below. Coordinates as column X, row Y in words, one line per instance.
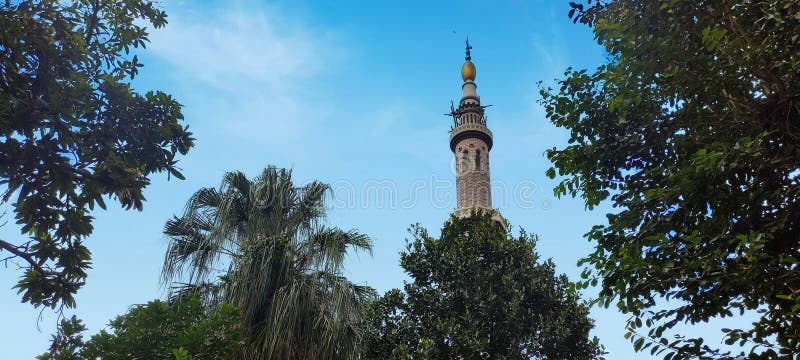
column 243, row 46
column 251, row 69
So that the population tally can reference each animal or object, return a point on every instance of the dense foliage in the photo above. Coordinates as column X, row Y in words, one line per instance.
column 692, row 130
column 478, row 293
column 185, row 329
column 263, row 243
column 72, row 130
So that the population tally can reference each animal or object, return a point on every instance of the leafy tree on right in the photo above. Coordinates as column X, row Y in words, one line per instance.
column 692, row 130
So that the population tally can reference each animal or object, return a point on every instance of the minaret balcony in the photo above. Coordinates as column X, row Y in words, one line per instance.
column 470, row 130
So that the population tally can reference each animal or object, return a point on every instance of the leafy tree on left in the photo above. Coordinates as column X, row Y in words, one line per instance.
column 72, row 130
column 183, row 328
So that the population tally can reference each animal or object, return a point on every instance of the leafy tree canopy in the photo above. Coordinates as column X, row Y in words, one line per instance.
column 478, row 293
column 185, row 329
column 691, row 130
column 72, row 130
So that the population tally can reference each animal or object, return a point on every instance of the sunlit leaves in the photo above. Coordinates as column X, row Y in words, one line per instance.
column 156, row 330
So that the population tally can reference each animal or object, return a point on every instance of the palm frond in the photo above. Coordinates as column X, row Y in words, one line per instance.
column 326, row 247
column 284, row 267
column 205, row 199
column 210, row 292
column 189, row 249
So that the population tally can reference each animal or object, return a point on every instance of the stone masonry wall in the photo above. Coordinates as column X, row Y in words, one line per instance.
column 472, row 179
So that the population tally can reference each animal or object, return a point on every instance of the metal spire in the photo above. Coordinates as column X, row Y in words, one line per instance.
column 468, row 57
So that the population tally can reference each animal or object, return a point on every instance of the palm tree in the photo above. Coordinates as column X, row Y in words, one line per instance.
column 264, row 244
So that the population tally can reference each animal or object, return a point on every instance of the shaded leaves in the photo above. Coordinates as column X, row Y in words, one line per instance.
column 73, row 131
column 476, row 293
column 690, row 131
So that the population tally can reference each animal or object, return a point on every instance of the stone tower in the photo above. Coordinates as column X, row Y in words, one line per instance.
column 471, row 141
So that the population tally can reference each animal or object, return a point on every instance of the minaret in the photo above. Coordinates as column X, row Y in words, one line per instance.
column 471, row 141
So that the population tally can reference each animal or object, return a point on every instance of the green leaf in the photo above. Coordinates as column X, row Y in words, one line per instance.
column 176, row 173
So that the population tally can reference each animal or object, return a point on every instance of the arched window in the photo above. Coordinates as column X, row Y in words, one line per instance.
column 464, row 162
column 478, row 160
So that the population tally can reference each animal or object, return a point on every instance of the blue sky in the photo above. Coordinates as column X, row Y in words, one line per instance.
column 350, row 93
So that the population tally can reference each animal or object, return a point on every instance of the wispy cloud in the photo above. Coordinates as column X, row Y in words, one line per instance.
column 240, row 44
column 262, row 63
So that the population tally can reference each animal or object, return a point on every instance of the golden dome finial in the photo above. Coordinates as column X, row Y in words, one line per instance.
column 468, row 71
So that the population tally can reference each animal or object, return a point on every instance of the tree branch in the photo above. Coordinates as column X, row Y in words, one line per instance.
column 90, row 27
column 26, row 256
